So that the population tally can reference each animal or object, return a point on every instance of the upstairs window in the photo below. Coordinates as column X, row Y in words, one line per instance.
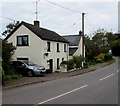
column 58, row 50
column 65, row 48
column 48, row 46
column 22, row 40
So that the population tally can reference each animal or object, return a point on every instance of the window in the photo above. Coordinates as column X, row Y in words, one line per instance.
column 48, row 46
column 20, row 64
column 58, row 63
column 65, row 48
column 23, row 59
column 22, row 40
column 62, row 59
column 57, row 47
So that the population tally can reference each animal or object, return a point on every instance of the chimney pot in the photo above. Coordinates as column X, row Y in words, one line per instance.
column 80, row 33
column 37, row 23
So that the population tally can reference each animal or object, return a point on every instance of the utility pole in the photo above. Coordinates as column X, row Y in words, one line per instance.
column 83, row 43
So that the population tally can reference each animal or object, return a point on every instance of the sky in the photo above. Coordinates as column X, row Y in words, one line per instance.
column 102, row 15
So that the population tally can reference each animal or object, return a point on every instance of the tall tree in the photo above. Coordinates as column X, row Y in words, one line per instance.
column 102, row 40
column 9, row 28
column 7, row 52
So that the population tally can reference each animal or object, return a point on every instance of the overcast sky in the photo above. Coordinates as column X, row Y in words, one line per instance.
column 64, row 22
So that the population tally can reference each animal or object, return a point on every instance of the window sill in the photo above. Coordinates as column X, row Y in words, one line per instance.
column 58, row 51
column 22, row 45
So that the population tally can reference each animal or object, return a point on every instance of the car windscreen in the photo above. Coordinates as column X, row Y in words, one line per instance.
column 29, row 63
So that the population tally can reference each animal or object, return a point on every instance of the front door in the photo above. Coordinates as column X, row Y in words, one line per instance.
column 51, row 64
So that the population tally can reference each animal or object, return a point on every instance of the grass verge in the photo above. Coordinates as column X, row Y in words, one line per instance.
column 109, row 62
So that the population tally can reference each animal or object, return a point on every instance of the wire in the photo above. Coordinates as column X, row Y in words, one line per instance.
column 63, row 7
column 8, row 18
column 76, row 21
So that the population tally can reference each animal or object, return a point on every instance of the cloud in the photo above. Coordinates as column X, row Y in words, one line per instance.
column 62, row 20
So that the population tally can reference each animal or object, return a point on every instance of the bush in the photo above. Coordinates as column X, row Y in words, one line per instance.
column 100, row 56
column 48, row 71
column 6, row 78
column 78, row 61
column 115, row 45
column 7, row 53
column 99, row 60
column 70, row 64
column 108, row 57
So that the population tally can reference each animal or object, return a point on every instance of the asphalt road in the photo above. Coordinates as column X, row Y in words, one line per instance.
column 97, row 87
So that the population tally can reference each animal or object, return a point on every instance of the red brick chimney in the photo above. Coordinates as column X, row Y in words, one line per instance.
column 80, row 33
column 37, row 23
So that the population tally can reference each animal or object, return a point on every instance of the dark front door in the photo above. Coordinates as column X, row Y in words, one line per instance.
column 51, row 64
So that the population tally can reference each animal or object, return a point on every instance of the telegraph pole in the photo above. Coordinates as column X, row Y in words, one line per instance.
column 83, row 43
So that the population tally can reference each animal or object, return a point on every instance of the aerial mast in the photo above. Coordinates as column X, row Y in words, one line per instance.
column 36, row 2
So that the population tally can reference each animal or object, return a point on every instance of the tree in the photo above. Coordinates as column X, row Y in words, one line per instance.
column 7, row 52
column 9, row 28
column 92, row 49
column 115, row 46
column 101, row 40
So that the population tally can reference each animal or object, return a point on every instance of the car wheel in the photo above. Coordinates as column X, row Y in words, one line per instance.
column 30, row 73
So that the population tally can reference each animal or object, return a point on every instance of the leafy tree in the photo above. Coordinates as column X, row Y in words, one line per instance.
column 0, row 48
column 9, row 28
column 92, row 49
column 115, row 45
column 7, row 52
column 101, row 40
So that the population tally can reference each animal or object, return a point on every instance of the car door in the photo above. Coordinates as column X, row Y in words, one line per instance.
column 21, row 68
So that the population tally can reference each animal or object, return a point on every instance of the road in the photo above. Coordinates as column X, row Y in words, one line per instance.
column 97, row 87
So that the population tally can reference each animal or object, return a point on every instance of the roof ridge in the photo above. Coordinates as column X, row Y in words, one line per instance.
column 70, row 35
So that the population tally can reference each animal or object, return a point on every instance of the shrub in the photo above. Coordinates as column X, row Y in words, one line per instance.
column 48, row 71
column 10, row 77
column 100, row 56
column 70, row 64
column 7, row 52
column 108, row 57
column 78, row 61
column 99, row 60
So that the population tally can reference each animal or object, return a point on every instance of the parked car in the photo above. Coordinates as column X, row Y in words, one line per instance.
column 27, row 68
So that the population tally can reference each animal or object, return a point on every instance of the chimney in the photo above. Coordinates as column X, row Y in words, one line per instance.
column 80, row 33
column 36, row 23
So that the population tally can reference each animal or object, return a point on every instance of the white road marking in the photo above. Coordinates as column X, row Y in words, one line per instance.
column 62, row 94
column 106, row 77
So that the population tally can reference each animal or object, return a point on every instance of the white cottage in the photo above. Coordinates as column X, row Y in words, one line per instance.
column 38, row 45
column 75, row 45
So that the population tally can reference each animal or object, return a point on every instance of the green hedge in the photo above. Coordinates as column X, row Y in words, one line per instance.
column 8, row 78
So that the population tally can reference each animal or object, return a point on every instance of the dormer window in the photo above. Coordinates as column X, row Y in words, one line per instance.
column 22, row 40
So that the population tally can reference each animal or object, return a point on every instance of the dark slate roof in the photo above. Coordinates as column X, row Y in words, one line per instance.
column 42, row 33
column 72, row 51
column 73, row 39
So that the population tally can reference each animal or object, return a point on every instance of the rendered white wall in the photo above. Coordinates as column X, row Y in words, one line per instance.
column 37, row 48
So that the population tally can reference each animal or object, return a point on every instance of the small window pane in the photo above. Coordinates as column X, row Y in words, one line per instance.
column 25, row 40
column 48, row 46
column 19, row 40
